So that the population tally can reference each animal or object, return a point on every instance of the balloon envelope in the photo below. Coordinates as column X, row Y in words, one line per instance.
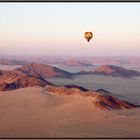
column 88, row 36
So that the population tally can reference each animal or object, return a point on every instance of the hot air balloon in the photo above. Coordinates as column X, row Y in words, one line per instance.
column 88, row 36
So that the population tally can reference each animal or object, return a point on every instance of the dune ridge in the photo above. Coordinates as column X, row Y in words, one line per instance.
column 102, row 101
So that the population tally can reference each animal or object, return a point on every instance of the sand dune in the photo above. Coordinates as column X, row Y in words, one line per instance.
column 31, row 112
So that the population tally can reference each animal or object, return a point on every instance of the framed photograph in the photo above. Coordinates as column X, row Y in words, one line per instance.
column 70, row 70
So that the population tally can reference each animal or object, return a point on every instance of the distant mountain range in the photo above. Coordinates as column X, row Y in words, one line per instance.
column 110, row 70
column 92, row 60
column 116, row 71
column 44, row 71
column 13, row 62
column 73, row 63
column 47, row 71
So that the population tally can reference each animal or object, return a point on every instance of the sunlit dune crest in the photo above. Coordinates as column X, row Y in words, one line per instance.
column 104, row 102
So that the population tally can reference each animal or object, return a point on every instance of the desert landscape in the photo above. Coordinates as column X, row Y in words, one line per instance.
column 69, row 70
column 69, row 100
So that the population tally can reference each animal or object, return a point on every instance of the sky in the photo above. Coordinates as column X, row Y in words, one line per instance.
column 58, row 29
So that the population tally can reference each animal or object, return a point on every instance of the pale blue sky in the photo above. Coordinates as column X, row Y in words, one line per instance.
column 58, row 29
